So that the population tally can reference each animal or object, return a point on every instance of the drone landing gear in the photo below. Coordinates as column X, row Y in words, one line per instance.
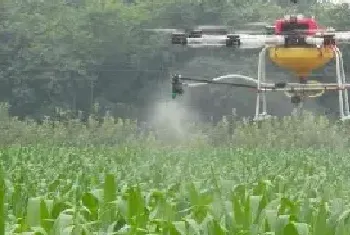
column 298, row 93
column 343, row 93
column 261, row 103
column 298, row 98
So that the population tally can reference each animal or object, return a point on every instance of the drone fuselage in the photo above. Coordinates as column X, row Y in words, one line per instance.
column 296, row 54
column 291, row 24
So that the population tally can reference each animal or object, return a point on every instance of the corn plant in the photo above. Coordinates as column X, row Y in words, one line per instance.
column 281, row 177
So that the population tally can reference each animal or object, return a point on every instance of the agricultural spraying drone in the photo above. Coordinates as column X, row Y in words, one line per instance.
column 295, row 43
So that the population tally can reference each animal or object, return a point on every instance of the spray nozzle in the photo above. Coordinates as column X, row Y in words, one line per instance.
column 177, row 87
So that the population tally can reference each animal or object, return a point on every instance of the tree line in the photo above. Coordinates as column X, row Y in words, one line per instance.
column 74, row 54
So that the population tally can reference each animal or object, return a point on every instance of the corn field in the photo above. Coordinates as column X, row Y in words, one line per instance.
column 283, row 177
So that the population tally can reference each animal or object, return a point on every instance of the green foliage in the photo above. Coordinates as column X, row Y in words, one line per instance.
column 287, row 133
column 281, row 177
column 162, row 191
column 276, row 178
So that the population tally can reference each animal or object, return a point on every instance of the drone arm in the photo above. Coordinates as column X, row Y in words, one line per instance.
column 243, row 41
column 342, row 37
column 332, row 38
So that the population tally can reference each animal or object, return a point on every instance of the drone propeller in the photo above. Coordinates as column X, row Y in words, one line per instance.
column 162, row 30
column 250, row 32
column 257, row 23
column 207, row 30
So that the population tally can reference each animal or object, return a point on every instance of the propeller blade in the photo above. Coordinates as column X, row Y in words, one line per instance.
column 252, row 32
column 211, row 27
column 165, row 30
column 257, row 23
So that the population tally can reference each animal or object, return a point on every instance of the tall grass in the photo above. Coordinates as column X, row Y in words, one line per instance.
column 282, row 177
column 288, row 133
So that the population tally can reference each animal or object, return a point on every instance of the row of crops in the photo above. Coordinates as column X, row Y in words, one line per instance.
column 283, row 178
column 132, row 190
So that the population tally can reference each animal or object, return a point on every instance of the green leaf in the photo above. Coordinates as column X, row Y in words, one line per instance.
column 2, row 202
column 108, row 208
column 92, row 203
column 33, row 216
column 290, row 229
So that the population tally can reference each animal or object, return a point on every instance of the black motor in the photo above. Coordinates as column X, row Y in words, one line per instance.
column 179, row 38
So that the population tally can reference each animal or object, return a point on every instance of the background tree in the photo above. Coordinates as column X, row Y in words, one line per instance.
column 71, row 54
